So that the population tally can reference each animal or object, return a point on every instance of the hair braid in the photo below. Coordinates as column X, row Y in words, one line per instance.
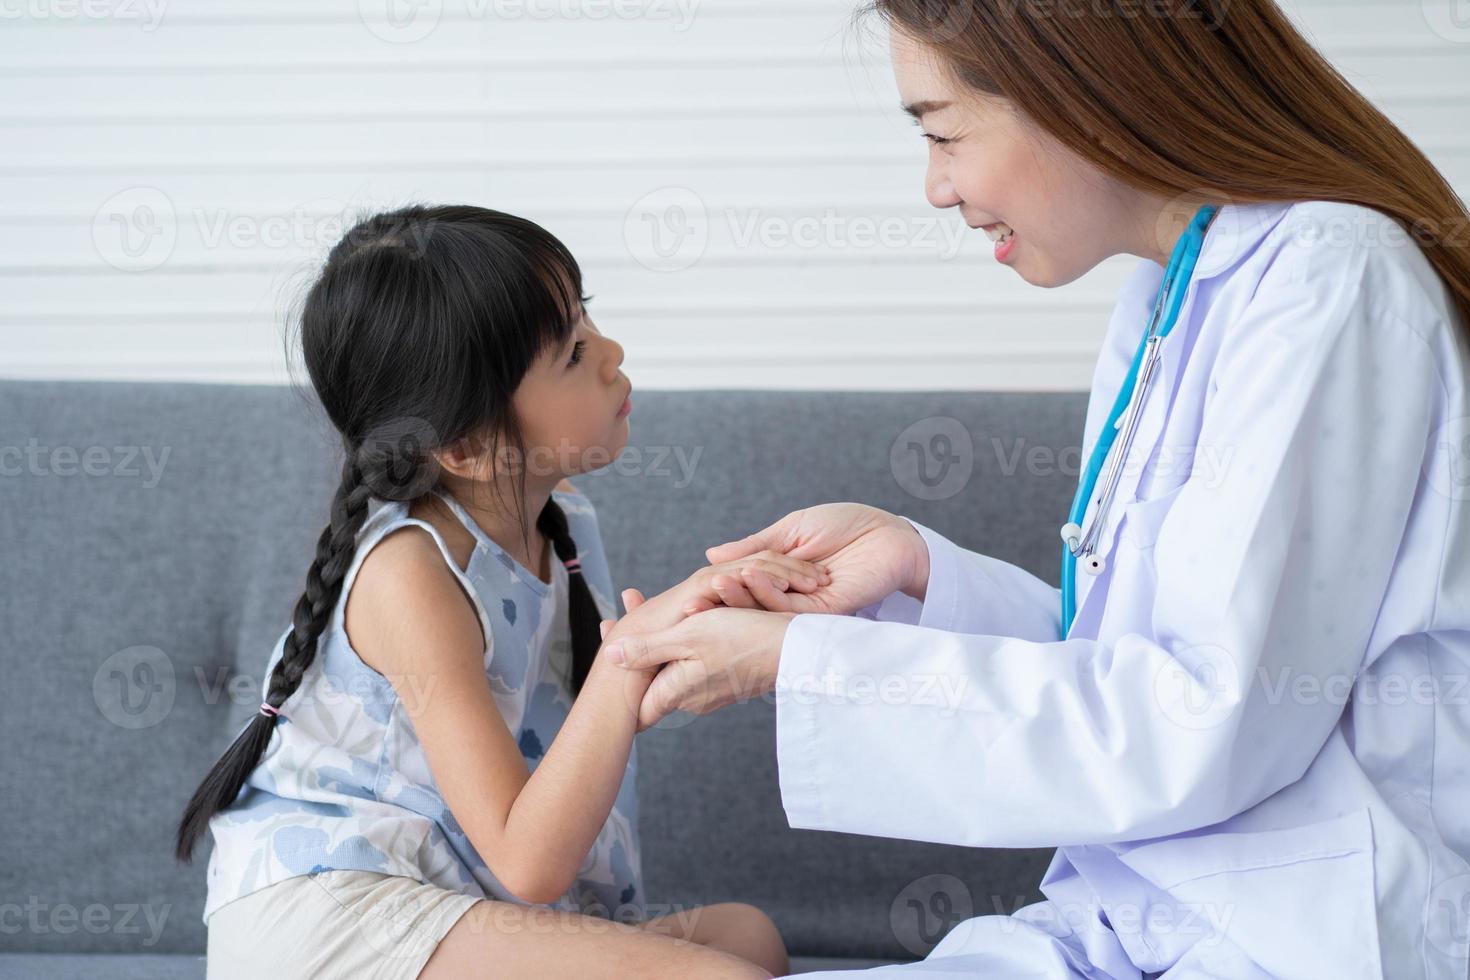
column 384, row 468
column 584, row 615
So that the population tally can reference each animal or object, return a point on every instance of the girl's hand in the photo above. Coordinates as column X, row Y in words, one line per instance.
column 870, row 554
column 706, row 588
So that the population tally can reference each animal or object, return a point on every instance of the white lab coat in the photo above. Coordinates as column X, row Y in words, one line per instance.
column 1252, row 750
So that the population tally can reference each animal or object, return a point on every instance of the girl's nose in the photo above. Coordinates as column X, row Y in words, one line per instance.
column 612, row 360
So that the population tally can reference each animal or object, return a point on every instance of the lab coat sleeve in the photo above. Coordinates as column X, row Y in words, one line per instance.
column 1268, row 578
column 973, row 593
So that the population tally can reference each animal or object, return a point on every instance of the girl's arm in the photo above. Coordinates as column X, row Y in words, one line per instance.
column 408, row 618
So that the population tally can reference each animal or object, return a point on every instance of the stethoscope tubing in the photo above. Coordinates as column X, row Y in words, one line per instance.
column 1125, row 414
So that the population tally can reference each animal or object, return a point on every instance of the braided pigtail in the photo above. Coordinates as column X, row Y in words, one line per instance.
column 582, row 611
column 391, row 469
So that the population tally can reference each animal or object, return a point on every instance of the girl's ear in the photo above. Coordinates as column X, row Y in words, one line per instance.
column 467, row 457
column 457, row 459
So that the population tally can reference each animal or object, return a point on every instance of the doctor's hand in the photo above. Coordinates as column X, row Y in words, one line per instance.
column 707, row 661
column 868, row 552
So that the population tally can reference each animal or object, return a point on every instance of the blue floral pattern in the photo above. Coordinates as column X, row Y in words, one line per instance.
column 344, row 783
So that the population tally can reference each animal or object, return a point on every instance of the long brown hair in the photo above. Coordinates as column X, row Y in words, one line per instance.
column 1216, row 98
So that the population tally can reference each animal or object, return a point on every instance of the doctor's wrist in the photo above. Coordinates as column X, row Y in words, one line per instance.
column 917, row 586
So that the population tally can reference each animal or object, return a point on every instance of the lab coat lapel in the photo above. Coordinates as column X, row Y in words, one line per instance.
column 1236, row 231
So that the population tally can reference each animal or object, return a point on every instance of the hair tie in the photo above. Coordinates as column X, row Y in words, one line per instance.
column 573, row 564
column 268, row 709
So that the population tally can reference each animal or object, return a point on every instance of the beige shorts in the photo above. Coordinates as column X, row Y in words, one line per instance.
column 332, row 924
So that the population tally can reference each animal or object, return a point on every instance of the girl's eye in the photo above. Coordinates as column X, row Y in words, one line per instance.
column 577, row 350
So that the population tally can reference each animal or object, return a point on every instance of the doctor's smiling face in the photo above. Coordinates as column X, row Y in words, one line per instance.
column 1057, row 216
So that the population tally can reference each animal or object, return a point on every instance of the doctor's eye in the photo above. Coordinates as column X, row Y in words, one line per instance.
column 937, row 140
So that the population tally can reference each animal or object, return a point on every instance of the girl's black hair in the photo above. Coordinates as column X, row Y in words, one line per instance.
column 416, row 333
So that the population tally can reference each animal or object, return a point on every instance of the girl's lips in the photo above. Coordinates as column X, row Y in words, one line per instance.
column 626, row 407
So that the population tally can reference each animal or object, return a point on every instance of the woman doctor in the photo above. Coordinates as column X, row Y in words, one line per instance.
column 1244, row 721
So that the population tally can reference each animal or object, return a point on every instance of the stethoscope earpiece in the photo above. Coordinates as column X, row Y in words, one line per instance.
column 1094, row 565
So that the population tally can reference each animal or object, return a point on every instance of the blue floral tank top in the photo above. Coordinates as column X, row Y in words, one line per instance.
column 345, row 784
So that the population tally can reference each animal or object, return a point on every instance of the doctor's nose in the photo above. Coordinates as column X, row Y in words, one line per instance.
column 937, row 186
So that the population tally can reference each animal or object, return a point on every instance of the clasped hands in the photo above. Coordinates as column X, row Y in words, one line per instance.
column 716, row 637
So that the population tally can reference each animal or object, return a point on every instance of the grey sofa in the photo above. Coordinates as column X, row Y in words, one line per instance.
column 155, row 536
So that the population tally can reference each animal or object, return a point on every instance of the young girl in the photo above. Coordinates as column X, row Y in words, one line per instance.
column 440, row 780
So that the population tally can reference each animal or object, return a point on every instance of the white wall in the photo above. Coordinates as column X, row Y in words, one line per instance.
column 227, row 141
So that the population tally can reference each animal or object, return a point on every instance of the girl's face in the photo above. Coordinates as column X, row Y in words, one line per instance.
column 570, row 404
column 1001, row 170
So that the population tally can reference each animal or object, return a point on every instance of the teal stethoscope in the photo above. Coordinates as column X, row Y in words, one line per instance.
column 1081, row 543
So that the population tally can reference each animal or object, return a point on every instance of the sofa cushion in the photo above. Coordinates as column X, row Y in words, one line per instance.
column 158, row 534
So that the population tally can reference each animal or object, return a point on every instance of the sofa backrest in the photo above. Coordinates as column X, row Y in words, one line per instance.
column 156, row 536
